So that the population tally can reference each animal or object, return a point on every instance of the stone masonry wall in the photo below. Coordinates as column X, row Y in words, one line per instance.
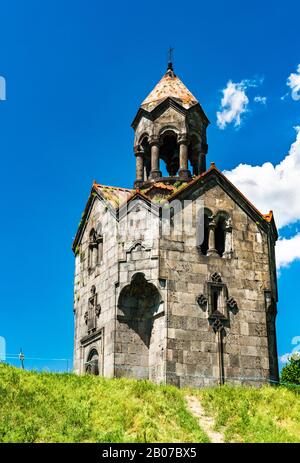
column 151, row 325
column 103, row 277
column 141, row 337
column 192, row 348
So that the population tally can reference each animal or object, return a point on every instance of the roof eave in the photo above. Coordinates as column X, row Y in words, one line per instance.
column 84, row 216
column 164, row 104
column 93, row 194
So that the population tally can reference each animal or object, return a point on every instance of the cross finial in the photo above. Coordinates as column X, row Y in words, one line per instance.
column 170, row 58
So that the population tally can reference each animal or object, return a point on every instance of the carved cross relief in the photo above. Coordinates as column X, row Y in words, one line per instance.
column 219, row 304
column 93, row 311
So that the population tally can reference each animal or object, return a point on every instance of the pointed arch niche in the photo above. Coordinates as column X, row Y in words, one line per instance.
column 139, row 332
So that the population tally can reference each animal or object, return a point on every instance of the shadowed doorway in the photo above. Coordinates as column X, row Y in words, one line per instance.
column 138, row 303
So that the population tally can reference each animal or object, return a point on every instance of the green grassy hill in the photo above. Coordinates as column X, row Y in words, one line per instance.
column 48, row 407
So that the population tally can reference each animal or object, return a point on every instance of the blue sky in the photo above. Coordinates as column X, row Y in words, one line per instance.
column 75, row 75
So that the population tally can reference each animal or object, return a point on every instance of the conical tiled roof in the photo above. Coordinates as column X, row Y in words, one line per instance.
column 169, row 86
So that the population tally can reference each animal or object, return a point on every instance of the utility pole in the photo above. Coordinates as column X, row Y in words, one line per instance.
column 21, row 358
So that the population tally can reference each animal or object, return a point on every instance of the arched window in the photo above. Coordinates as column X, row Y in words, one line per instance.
column 169, row 152
column 147, row 156
column 220, row 236
column 92, row 363
column 204, row 246
column 223, row 234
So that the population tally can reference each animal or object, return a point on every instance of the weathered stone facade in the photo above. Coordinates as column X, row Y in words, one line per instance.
column 163, row 305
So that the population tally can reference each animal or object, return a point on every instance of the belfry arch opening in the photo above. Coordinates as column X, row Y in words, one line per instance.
column 169, row 152
column 146, row 155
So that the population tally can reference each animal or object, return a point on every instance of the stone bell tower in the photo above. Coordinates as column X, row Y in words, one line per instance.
column 155, row 302
column 170, row 127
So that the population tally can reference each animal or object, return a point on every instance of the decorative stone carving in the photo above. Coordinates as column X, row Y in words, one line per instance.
column 217, row 325
column 216, row 277
column 137, row 247
column 162, row 282
column 202, row 301
column 98, row 310
column 232, row 304
column 93, row 311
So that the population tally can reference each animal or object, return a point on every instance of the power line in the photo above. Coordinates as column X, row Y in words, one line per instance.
column 17, row 356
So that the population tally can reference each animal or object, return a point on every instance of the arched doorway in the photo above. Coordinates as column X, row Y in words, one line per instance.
column 92, row 363
column 138, row 304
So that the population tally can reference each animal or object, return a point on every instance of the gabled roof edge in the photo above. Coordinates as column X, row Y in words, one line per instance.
column 93, row 194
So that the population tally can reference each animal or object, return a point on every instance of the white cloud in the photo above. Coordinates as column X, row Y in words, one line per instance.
column 260, row 99
column 233, row 104
column 287, row 250
column 273, row 187
column 294, row 83
column 2, row 89
column 295, row 351
column 277, row 188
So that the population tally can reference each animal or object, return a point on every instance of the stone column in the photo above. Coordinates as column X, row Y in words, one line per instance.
column 139, row 159
column 183, row 157
column 211, row 239
column 155, row 172
column 228, row 238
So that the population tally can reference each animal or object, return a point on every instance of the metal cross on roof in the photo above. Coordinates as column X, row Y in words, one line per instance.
column 170, row 58
column 170, row 54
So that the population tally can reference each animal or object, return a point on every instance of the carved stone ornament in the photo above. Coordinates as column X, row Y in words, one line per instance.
column 98, row 310
column 202, row 301
column 231, row 303
column 216, row 277
column 93, row 289
column 217, row 326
